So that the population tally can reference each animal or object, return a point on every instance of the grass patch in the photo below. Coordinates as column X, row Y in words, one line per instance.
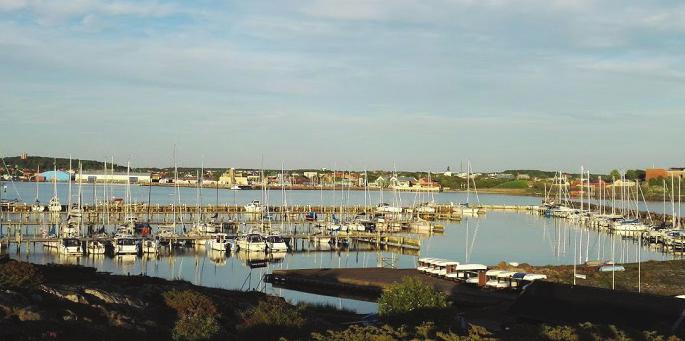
column 514, row 184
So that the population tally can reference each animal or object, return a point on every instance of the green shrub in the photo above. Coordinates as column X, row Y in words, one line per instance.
column 559, row 333
column 270, row 319
column 409, row 296
column 197, row 315
column 424, row 331
column 273, row 311
column 18, row 275
column 363, row 333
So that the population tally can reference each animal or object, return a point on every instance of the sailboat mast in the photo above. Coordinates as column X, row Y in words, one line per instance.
column 69, row 181
column 36, row 179
column 582, row 184
column 178, row 193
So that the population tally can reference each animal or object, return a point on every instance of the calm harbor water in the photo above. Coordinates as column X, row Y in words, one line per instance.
column 26, row 192
column 488, row 239
column 163, row 195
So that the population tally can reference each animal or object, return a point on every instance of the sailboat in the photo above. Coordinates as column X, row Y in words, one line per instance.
column 219, row 242
column 627, row 224
column 69, row 244
column 37, row 207
column 54, row 205
column 165, row 232
column 125, row 241
column 427, row 207
column 467, row 209
column 201, row 226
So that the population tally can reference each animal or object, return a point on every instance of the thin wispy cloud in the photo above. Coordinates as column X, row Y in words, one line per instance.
column 409, row 79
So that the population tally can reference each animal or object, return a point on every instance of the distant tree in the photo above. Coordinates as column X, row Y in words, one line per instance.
column 448, row 168
column 615, row 174
column 635, row 174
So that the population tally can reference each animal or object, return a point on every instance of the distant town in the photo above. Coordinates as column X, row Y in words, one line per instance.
column 45, row 169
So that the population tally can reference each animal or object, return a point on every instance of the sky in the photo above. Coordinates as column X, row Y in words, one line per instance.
column 410, row 84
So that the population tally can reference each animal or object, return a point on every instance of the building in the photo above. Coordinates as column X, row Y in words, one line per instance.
column 623, row 183
column 228, row 178
column 380, row 182
column 113, row 178
column 402, row 182
column 522, row 177
column 425, row 183
column 59, row 175
column 655, row 173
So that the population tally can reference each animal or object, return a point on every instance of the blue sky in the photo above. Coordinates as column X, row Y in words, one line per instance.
column 358, row 84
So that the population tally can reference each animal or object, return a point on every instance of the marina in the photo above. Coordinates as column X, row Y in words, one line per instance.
column 487, row 238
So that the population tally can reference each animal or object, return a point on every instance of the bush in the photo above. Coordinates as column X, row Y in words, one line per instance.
column 409, row 296
column 366, row 333
column 18, row 275
column 197, row 315
column 425, row 331
column 271, row 318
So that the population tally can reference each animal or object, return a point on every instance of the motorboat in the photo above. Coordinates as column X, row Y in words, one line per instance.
column 426, row 208
column 251, row 242
column 254, row 207
column 126, row 245
column 386, row 208
column 219, row 242
column 275, row 242
column 69, row 246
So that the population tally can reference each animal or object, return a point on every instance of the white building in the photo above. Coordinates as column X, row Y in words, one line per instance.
column 113, row 178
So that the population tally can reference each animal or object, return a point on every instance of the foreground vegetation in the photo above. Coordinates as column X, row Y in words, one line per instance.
column 77, row 303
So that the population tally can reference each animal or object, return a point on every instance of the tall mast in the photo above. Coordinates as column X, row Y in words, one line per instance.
column 69, row 181
column 673, row 223
column 468, row 181
column 178, row 193
column 80, row 176
column 582, row 184
column 679, row 206
column 104, row 192
column 36, row 179
column 197, row 196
